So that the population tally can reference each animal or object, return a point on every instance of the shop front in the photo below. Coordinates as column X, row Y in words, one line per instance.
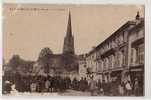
column 116, row 75
column 137, row 73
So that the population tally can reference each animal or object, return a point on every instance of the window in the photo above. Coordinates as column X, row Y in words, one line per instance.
column 132, row 52
column 99, row 66
column 110, row 61
column 117, row 40
column 117, row 61
column 113, row 43
column 107, row 63
column 120, row 39
column 140, row 54
column 104, row 64
column 123, row 58
column 125, row 36
column 113, row 61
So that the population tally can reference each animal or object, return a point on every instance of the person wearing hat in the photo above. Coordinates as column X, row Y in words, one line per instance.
column 7, row 87
column 136, row 87
column 101, row 93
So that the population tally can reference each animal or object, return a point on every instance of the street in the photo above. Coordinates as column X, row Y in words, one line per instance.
column 66, row 93
column 74, row 93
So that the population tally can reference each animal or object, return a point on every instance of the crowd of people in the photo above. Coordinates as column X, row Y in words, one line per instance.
column 50, row 84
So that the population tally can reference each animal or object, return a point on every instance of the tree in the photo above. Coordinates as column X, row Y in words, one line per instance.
column 14, row 62
column 44, row 58
column 45, row 52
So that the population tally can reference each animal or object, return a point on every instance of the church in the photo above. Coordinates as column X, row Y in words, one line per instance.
column 65, row 63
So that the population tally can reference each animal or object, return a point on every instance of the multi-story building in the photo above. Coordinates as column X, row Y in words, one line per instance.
column 113, row 58
column 136, row 52
column 91, row 63
column 82, row 66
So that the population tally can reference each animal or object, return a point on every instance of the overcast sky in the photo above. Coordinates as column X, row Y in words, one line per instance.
column 27, row 31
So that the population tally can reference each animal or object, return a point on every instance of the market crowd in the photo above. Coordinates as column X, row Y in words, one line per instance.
column 41, row 84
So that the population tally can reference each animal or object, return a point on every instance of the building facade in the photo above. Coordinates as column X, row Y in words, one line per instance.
column 136, row 53
column 82, row 66
column 121, row 55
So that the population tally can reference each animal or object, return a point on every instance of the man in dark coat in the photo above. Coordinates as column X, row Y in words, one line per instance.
column 75, row 84
column 85, row 84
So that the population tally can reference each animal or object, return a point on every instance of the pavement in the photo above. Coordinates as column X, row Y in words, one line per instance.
column 74, row 93
column 66, row 93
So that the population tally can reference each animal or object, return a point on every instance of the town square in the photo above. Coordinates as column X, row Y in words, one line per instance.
column 73, row 50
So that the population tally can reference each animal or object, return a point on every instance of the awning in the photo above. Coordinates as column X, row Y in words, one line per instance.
column 136, row 69
column 116, row 73
column 117, row 69
column 139, row 67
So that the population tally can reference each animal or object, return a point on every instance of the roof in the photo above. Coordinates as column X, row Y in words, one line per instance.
column 124, row 26
column 139, row 24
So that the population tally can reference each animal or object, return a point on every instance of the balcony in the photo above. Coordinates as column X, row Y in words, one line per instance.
column 137, row 42
column 136, row 67
column 117, row 68
column 107, row 53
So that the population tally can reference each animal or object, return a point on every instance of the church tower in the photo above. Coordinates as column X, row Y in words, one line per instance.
column 68, row 47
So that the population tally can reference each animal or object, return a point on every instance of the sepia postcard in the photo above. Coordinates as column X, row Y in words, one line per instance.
column 73, row 49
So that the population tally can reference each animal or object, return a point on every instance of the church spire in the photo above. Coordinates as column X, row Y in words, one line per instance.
column 68, row 47
column 69, row 26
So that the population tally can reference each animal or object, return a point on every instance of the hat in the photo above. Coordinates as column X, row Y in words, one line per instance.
column 101, row 90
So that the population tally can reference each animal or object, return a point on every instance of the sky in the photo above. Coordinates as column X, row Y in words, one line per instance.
column 27, row 28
